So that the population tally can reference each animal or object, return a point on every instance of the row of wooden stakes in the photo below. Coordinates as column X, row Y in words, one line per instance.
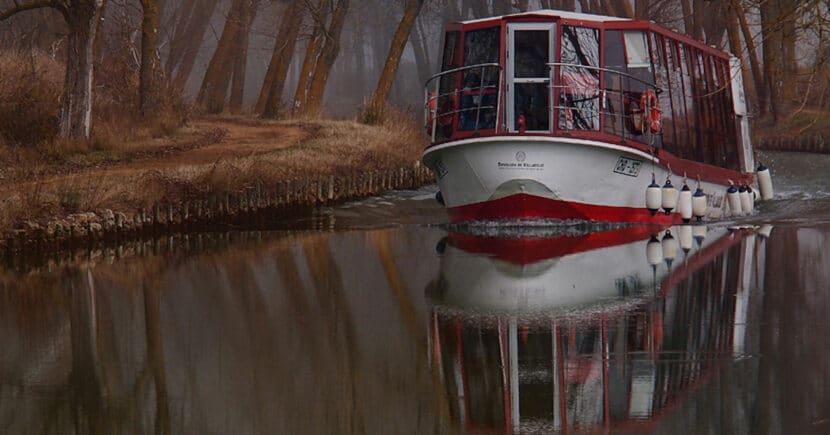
column 258, row 206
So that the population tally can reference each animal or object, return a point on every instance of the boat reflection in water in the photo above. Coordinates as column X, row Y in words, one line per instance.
column 601, row 330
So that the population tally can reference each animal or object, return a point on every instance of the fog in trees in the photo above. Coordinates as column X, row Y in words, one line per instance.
column 336, row 58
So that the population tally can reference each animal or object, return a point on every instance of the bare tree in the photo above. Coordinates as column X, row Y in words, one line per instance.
column 272, row 88
column 319, row 14
column 82, row 17
column 241, row 57
column 772, row 47
column 214, row 90
column 381, row 94
column 185, row 45
column 149, row 76
column 329, row 54
column 329, row 17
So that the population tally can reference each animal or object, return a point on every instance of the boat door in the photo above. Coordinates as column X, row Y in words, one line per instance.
column 530, row 48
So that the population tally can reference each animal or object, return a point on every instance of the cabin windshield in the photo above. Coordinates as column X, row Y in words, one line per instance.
column 585, row 81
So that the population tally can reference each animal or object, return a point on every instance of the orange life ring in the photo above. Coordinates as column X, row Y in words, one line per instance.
column 651, row 110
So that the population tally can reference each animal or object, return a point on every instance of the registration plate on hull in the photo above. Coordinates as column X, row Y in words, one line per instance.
column 626, row 166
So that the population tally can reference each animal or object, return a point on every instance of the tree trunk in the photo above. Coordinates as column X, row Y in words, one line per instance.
column 241, row 56
column 641, row 9
column 789, row 67
column 772, row 46
column 501, row 7
column 183, row 55
column 689, row 19
column 313, row 52
column 422, row 60
column 381, row 94
column 82, row 18
column 148, row 87
column 479, row 9
column 733, row 33
column 330, row 51
column 177, row 40
column 271, row 94
column 754, row 62
column 608, row 8
column 715, row 25
column 623, row 8
column 217, row 79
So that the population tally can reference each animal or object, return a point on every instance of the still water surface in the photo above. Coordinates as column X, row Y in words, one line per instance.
column 377, row 317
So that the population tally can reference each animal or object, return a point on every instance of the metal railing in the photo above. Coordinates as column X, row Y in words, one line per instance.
column 590, row 102
column 461, row 99
column 446, row 93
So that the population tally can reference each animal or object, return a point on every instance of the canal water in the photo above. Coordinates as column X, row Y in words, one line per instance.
column 377, row 317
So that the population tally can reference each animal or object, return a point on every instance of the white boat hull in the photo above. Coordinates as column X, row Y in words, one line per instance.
column 526, row 177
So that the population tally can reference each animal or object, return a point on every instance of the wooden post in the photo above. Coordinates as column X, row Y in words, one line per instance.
column 318, row 197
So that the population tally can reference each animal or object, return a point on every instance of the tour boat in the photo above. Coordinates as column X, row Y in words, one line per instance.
column 563, row 115
column 520, row 351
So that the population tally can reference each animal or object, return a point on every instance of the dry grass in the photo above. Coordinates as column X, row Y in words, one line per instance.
column 31, row 86
column 30, row 89
column 133, row 162
column 252, row 151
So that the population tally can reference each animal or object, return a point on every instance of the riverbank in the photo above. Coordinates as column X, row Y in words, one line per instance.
column 216, row 172
column 805, row 131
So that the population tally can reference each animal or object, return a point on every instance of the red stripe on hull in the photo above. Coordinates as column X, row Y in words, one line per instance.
column 530, row 250
column 525, row 206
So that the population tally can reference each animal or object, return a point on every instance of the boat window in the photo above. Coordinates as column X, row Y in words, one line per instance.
column 661, row 79
column 627, row 53
column 615, row 84
column 579, row 86
column 531, row 48
column 452, row 44
column 444, row 102
column 479, row 94
column 482, row 46
column 681, row 146
column 694, row 150
column 636, row 50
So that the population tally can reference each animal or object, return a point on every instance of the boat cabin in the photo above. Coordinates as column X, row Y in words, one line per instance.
column 589, row 77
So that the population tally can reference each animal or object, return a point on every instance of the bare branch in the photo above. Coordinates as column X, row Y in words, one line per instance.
column 36, row 4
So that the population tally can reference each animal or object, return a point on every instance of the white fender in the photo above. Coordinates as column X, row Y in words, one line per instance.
column 653, row 196
column 684, row 203
column 734, row 200
column 670, row 195
column 764, row 182
column 699, row 204
column 746, row 200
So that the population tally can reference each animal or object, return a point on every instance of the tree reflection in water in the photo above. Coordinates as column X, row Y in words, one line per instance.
column 331, row 333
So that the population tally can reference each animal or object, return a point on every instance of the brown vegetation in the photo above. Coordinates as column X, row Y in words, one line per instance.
column 212, row 155
column 30, row 96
